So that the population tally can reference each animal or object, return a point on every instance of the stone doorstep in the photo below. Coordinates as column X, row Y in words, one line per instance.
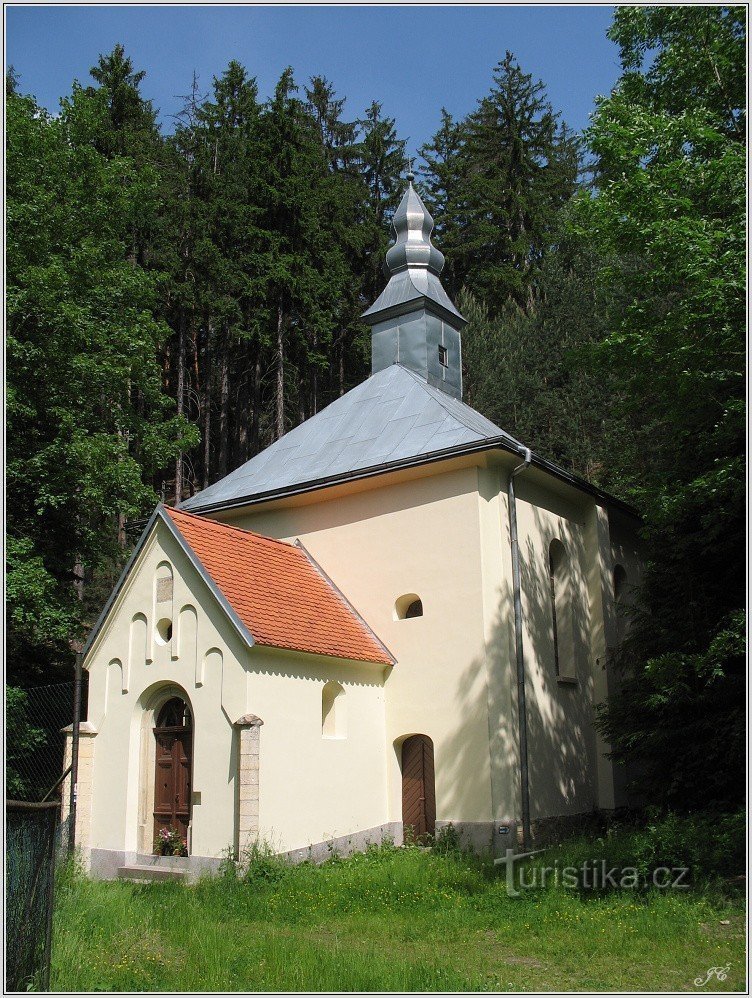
column 150, row 873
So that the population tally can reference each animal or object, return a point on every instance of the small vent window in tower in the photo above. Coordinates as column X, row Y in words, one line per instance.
column 443, row 357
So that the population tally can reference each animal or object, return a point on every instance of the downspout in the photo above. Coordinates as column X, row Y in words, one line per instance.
column 521, row 708
column 72, row 807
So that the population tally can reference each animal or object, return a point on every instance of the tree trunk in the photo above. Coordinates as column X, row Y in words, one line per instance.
column 243, row 416
column 255, row 419
column 224, row 400
column 279, row 401
column 315, row 380
column 206, row 402
column 341, row 370
column 180, row 395
column 78, row 577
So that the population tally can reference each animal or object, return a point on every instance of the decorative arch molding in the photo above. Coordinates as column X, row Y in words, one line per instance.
column 163, row 631
column 145, row 716
column 115, row 680
column 210, row 665
column 186, row 641
column 137, row 646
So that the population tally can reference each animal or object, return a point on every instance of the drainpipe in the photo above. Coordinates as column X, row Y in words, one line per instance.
column 74, row 756
column 521, row 709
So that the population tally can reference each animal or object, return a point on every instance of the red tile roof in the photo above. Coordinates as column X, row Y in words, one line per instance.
column 278, row 592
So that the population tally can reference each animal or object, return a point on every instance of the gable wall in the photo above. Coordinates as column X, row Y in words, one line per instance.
column 203, row 659
column 224, row 680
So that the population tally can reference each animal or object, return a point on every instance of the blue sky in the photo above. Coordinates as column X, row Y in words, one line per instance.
column 414, row 59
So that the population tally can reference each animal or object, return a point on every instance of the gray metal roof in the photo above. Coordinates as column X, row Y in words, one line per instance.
column 393, row 418
column 412, row 287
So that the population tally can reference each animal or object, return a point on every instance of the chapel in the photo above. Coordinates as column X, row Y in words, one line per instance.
column 394, row 619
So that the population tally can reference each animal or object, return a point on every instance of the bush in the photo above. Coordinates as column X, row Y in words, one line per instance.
column 711, row 845
column 448, row 842
column 21, row 739
column 261, row 865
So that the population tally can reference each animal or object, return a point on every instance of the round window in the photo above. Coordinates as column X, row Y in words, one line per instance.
column 164, row 631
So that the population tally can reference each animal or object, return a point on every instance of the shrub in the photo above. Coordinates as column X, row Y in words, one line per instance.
column 711, row 845
column 261, row 865
column 448, row 842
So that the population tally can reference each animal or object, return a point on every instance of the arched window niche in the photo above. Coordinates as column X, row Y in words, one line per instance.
column 408, row 606
column 333, row 711
column 562, row 616
column 621, row 601
column 163, row 600
column 620, row 584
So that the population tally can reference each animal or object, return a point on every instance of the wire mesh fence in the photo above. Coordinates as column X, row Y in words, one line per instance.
column 35, row 745
column 31, row 836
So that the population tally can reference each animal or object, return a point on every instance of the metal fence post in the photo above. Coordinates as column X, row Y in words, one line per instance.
column 74, row 756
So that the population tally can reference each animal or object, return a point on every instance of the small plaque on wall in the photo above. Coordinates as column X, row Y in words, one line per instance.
column 164, row 590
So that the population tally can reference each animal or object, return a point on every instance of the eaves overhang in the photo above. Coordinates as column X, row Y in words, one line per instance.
column 488, row 444
column 410, row 305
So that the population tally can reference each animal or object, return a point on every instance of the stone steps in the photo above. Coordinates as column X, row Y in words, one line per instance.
column 150, row 873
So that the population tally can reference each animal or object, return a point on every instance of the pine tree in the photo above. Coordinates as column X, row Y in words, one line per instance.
column 501, row 177
column 382, row 166
column 442, row 187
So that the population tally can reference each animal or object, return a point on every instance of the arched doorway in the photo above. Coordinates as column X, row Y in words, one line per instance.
column 418, row 786
column 172, row 780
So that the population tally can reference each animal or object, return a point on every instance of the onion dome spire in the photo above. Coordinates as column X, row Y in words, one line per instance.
column 412, row 226
column 413, row 321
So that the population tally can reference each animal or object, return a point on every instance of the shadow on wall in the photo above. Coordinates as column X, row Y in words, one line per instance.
column 561, row 735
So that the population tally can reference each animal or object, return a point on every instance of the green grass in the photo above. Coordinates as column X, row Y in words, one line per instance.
column 390, row 920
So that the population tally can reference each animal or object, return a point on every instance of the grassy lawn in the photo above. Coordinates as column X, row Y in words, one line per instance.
column 390, row 920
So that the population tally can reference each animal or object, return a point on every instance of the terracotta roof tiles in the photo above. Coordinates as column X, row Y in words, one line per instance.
column 278, row 591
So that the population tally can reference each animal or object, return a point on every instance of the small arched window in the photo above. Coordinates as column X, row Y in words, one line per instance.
column 409, row 605
column 561, row 610
column 333, row 716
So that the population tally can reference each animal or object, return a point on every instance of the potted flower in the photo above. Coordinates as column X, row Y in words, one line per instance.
column 169, row 842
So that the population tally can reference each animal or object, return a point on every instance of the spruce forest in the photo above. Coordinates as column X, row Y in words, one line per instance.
column 178, row 298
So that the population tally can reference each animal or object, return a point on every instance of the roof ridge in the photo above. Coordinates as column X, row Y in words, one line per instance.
column 228, row 526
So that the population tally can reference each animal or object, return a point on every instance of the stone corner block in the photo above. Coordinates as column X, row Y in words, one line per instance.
column 85, row 729
column 248, row 721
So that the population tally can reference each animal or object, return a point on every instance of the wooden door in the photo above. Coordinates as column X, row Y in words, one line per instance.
column 172, row 782
column 418, row 787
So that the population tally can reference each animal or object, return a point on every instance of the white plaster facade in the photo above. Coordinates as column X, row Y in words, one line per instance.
column 301, row 749
column 440, row 532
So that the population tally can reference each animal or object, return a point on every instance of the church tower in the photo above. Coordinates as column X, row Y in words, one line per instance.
column 413, row 321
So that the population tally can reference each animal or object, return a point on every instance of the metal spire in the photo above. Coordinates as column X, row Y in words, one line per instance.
column 412, row 226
